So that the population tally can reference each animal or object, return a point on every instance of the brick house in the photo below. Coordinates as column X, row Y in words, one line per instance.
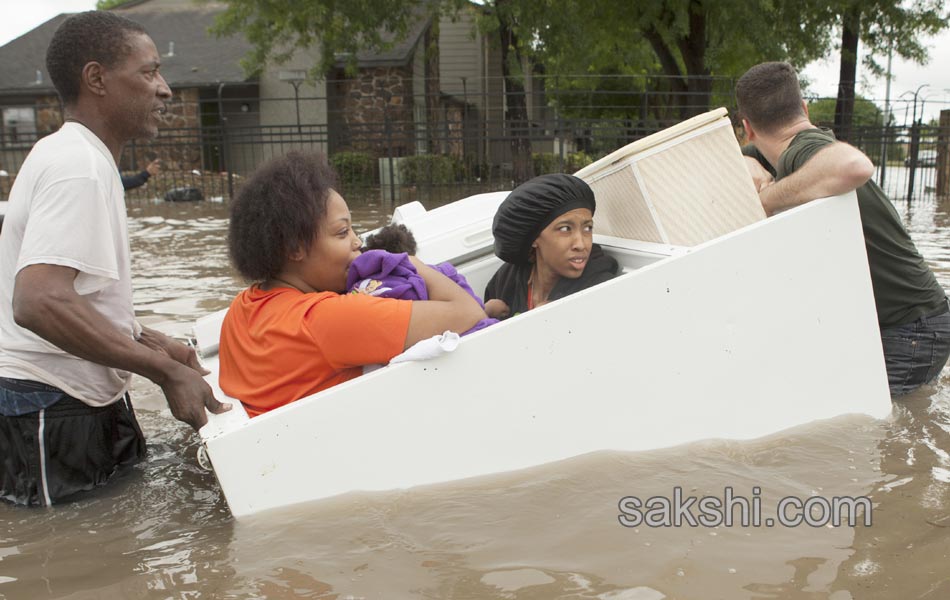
column 427, row 94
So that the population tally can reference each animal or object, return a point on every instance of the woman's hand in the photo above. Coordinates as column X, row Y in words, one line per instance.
column 760, row 177
column 497, row 309
column 449, row 307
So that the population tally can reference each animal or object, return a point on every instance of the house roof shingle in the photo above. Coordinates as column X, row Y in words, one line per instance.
column 400, row 54
column 198, row 58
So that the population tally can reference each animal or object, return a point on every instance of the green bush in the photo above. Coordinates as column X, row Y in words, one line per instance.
column 549, row 162
column 545, row 162
column 577, row 161
column 354, row 167
column 427, row 169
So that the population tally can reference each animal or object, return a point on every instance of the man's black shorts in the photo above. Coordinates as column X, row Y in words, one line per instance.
column 65, row 448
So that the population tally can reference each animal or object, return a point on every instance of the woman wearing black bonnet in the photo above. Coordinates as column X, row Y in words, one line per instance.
column 544, row 232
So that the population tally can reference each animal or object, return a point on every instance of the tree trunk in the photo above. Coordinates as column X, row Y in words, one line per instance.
column 673, row 76
column 698, row 77
column 516, row 107
column 844, row 107
column 692, row 90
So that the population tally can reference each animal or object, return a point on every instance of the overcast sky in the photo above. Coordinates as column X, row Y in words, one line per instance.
column 906, row 78
column 823, row 74
column 31, row 13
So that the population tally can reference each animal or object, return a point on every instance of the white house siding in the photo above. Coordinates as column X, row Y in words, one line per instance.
column 461, row 55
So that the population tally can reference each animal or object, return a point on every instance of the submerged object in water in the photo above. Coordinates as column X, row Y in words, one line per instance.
column 184, row 194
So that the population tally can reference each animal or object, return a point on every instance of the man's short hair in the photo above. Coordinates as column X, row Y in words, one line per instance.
column 93, row 36
column 769, row 96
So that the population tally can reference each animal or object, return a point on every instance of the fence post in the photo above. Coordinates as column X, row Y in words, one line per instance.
column 914, row 145
column 884, row 140
column 389, row 157
column 943, row 160
column 558, row 135
column 446, row 148
column 644, row 113
column 135, row 163
column 225, row 142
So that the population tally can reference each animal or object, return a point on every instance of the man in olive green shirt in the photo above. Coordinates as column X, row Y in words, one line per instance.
column 793, row 162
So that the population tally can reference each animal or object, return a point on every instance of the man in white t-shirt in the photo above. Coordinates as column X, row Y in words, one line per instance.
column 69, row 341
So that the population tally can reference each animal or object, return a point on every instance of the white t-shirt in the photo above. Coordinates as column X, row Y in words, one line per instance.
column 67, row 207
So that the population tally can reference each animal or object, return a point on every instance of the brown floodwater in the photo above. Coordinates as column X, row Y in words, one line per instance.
column 164, row 530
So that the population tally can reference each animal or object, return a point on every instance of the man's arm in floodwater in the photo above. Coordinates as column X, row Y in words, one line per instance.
column 46, row 303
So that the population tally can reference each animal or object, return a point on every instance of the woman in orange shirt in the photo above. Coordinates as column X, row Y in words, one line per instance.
column 294, row 332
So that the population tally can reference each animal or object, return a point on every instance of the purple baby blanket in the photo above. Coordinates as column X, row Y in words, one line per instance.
column 380, row 273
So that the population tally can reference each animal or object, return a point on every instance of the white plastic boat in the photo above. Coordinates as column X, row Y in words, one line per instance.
column 723, row 325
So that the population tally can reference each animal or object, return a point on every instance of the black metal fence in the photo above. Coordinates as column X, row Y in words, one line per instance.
column 446, row 149
column 912, row 162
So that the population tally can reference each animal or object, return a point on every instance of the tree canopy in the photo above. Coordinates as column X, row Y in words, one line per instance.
column 686, row 53
column 884, row 26
column 277, row 28
column 866, row 113
column 683, row 44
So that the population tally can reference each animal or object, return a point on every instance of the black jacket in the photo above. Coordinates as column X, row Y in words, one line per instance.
column 510, row 282
column 133, row 181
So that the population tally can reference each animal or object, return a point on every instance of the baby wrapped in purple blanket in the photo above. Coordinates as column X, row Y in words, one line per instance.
column 384, row 270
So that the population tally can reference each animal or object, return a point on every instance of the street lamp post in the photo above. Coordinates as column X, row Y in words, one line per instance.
column 914, row 145
column 887, row 111
column 294, row 77
column 930, row 96
column 916, row 93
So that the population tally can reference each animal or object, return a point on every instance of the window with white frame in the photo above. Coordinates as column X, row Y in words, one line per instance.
column 19, row 125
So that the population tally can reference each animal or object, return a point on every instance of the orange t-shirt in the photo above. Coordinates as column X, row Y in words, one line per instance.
column 281, row 345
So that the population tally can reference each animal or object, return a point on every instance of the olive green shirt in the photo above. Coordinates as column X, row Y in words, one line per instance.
column 904, row 286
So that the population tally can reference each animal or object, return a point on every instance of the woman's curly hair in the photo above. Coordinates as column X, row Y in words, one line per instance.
column 277, row 211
